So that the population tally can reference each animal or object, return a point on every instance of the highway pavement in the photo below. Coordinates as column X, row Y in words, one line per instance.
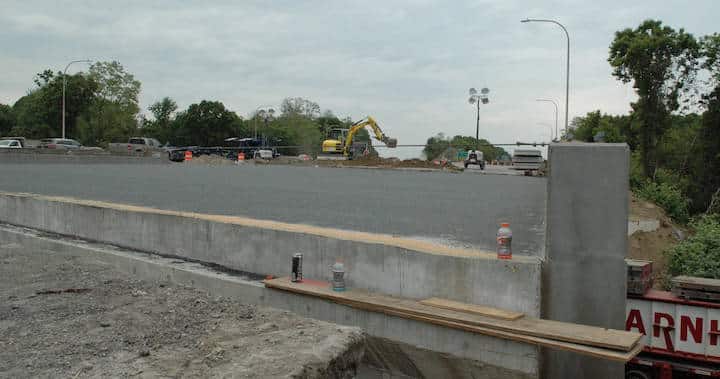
column 455, row 209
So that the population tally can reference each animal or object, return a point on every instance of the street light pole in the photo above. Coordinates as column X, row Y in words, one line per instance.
column 63, row 93
column 477, row 124
column 567, row 64
column 556, row 115
column 477, row 98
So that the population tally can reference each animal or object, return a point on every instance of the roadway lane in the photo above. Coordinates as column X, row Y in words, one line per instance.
column 455, row 209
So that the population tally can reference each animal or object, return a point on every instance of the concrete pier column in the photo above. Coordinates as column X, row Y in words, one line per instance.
column 583, row 279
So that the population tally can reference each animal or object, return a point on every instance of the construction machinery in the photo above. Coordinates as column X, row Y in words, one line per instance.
column 342, row 140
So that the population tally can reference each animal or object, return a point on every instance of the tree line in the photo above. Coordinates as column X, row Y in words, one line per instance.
column 673, row 128
column 102, row 106
column 444, row 147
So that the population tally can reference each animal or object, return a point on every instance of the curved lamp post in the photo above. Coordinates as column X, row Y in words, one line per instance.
column 64, row 85
column 556, row 115
column 567, row 62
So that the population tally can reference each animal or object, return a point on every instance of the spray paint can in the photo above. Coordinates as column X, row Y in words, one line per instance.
column 338, row 271
column 296, row 268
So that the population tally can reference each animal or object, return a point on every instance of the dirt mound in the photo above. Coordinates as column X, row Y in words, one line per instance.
column 375, row 161
column 211, row 160
column 650, row 245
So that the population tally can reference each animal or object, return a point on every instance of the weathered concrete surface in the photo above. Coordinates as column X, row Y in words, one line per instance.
column 416, row 347
column 464, row 210
column 381, row 263
column 584, row 274
column 120, row 326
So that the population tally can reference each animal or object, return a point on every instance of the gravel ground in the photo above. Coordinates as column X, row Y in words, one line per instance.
column 70, row 315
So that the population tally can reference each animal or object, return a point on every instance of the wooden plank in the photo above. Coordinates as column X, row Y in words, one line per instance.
column 691, row 282
column 597, row 352
column 554, row 330
column 472, row 308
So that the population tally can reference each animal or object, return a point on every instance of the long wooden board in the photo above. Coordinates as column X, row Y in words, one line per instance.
column 554, row 330
column 472, row 308
column 597, row 352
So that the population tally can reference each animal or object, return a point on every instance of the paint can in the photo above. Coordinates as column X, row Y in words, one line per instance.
column 338, row 271
column 296, row 268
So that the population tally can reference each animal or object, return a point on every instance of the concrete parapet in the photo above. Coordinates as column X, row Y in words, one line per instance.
column 391, row 265
column 401, row 346
column 32, row 155
column 584, row 274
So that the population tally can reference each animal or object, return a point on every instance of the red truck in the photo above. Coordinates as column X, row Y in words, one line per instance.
column 681, row 334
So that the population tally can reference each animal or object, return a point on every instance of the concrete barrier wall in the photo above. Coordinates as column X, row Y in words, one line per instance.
column 464, row 354
column 382, row 263
column 75, row 157
column 394, row 266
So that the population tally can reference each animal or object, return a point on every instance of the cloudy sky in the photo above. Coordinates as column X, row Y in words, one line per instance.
column 407, row 63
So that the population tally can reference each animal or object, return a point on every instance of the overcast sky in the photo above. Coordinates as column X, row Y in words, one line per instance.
column 407, row 63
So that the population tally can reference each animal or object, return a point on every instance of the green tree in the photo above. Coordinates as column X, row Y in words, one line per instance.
column 30, row 120
column 435, row 146
column 116, row 85
column 39, row 113
column 299, row 106
column 659, row 61
column 611, row 129
column 707, row 168
column 207, row 123
column 163, row 113
column 113, row 113
column 105, row 122
column 7, row 119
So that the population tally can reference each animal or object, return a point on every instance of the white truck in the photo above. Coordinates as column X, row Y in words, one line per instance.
column 475, row 157
column 137, row 146
column 527, row 160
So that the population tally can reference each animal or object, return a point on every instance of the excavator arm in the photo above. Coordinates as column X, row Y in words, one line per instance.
column 379, row 135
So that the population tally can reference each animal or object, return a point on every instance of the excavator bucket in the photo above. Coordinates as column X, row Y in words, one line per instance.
column 391, row 142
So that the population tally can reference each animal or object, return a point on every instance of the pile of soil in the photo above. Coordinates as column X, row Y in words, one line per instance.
column 375, row 161
column 211, row 160
column 651, row 245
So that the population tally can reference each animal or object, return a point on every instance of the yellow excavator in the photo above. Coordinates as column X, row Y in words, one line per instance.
column 343, row 144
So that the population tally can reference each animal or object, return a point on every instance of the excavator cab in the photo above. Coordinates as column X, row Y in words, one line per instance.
column 334, row 143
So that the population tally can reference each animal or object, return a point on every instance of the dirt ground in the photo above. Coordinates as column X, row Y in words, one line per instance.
column 336, row 161
column 69, row 315
column 651, row 245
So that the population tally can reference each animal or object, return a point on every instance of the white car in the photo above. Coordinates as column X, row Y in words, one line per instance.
column 10, row 144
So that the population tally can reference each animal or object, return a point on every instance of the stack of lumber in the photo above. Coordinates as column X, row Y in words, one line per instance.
column 603, row 343
column 691, row 287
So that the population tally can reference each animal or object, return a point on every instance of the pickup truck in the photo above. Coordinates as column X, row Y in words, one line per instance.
column 137, row 146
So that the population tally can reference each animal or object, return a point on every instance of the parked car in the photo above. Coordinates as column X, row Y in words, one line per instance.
column 137, row 146
column 59, row 143
column 64, row 144
column 10, row 144
column 21, row 140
